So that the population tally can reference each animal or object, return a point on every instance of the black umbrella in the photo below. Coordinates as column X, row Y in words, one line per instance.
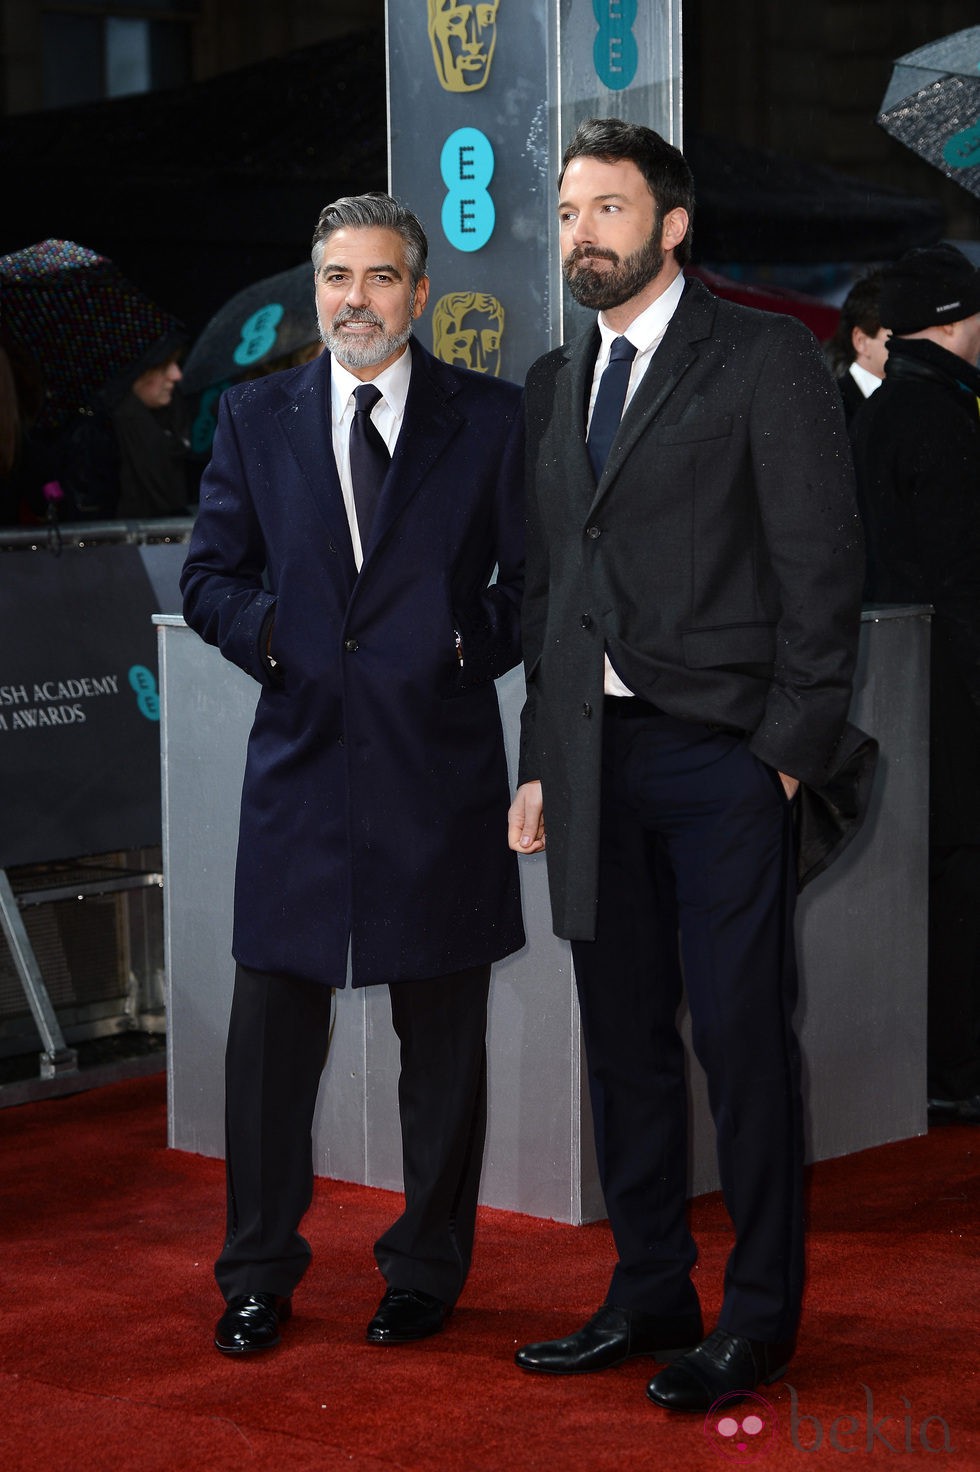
column 932, row 105
column 266, row 321
column 81, row 319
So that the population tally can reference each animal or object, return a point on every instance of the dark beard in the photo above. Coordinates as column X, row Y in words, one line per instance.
column 603, row 290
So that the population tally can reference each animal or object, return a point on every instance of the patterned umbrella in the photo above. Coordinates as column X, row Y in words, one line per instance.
column 266, row 321
column 83, row 321
column 932, row 105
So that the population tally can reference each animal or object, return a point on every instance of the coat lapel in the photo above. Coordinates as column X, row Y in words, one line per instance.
column 573, row 384
column 306, row 424
column 690, row 324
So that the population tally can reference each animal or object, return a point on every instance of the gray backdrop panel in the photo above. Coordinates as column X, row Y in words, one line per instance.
column 861, row 938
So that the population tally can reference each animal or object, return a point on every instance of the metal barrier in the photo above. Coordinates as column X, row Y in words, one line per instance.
column 48, row 862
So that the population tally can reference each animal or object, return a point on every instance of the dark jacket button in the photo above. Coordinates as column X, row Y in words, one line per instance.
column 586, row 620
column 351, row 646
column 586, row 710
column 593, row 532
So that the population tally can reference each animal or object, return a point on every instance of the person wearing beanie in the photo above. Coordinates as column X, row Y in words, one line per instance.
column 917, row 456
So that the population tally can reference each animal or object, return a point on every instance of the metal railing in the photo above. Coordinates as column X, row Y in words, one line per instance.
column 55, row 536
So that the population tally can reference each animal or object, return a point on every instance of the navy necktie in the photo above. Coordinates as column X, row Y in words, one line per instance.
column 369, row 460
column 608, row 408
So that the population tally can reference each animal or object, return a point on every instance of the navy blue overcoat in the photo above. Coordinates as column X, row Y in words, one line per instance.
column 374, row 806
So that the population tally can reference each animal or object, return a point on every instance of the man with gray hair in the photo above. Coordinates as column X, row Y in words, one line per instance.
column 352, row 517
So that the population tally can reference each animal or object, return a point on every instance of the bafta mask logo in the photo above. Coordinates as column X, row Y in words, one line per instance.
column 467, row 327
column 463, row 38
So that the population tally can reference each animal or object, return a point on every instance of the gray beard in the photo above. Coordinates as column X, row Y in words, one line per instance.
column 358, row 352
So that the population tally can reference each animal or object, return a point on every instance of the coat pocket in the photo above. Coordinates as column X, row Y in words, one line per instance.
column 698, row 427
column 732, row 644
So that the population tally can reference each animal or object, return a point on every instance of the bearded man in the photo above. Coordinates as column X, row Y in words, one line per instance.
column 690, row 624
column 351, row 519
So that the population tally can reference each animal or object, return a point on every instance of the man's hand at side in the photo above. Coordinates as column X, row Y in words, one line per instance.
column 525, row 820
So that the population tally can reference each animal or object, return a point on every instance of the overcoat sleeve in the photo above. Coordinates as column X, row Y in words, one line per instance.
column 225, row 599
column 490, row 628
column 534, row 611
column 804, row 481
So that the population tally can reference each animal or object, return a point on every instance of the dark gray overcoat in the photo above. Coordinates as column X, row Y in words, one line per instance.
column 719, row 560
column 374, row 806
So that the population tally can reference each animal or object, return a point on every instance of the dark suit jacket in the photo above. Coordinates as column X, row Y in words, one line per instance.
column 851, row 395
column 917, row 455
column 376, row 791
column 719, row 560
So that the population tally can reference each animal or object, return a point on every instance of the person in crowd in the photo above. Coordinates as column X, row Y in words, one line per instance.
column 10, row 428
column 205, row 416
column 859, row 348
column 128, row 454
column 690, row 627
column 917, row 457
column 351, row 518
column 29, row 461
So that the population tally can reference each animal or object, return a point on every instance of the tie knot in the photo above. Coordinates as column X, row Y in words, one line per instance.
column 366, row 397
column 621, row 350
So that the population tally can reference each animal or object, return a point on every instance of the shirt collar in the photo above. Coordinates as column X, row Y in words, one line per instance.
column 393, row 383
column 866, row 382
column 646, row 330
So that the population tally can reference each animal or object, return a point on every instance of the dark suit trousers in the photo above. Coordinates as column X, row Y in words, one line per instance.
column 277, row 1044
column 696, row 842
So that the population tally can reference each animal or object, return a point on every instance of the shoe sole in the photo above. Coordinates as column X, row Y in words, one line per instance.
column 662, row 1356
column 233, row 1349
column 729, row 1395
column 402, row 1338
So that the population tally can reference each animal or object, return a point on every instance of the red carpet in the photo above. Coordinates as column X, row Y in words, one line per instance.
column 108, row 1305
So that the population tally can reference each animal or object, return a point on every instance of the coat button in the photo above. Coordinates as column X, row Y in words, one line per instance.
column 593, row 531
column 586, row 620
column 586, row 710
column 351, row 646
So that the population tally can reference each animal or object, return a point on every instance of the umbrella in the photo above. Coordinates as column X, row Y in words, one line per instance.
column 264, row 322
column 932, row 105
column 81, row 319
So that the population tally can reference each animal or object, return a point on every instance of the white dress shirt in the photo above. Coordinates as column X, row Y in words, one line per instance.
column 646, row 333
column 866, row 382
column 387, row 416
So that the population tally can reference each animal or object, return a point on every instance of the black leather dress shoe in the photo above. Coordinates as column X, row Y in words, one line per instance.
column 725, row 1364
column 954, row 1111
column 251, row 1322
column 405, row 1314
column 611, row 1336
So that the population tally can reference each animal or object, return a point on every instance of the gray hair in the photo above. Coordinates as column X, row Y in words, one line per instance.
column 378, row 212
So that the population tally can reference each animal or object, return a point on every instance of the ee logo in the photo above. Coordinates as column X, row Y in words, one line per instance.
column 466, row 165
column 202, row 430
column 962, row 150
column 258, row 335
column 614, row 51
column 144, row 683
